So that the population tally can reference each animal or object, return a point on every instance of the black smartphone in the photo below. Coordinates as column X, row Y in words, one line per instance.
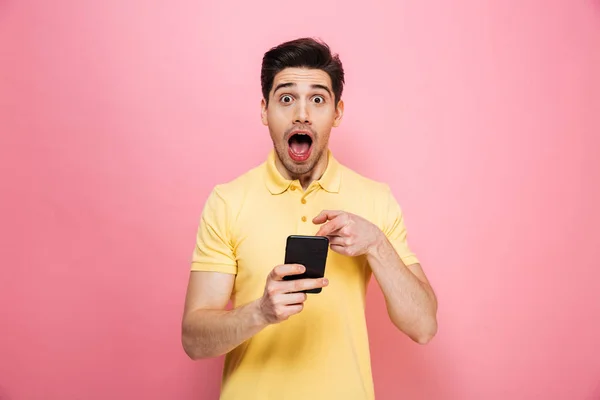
column 309, row 251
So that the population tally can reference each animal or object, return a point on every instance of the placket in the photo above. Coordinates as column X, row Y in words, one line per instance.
column 305, row 210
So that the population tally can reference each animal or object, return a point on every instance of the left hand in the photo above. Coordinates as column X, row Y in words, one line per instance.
column 348, row 234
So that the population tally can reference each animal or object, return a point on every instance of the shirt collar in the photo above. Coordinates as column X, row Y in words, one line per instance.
column 277, row 184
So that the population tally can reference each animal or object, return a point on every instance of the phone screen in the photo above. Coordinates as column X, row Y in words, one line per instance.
column 310, row 251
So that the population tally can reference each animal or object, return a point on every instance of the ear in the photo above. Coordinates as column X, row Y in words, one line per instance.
column 263, row 113
column 339, row 113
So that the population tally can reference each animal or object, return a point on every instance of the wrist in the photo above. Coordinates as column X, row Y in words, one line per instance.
column 257, row 315
column 377, row 248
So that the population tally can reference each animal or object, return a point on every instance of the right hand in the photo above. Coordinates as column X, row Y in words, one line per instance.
column 279, row 301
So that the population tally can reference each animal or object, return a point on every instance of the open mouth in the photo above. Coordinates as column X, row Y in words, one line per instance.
column 300, row 145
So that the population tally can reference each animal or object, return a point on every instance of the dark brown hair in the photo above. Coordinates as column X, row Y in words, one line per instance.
column 303, row 52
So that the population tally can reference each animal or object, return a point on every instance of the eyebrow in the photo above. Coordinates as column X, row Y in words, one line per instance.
column 291, row 84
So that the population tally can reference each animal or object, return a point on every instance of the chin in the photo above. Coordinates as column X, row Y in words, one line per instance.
column 298, row 168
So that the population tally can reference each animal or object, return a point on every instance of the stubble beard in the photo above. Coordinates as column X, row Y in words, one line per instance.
column 297, row 170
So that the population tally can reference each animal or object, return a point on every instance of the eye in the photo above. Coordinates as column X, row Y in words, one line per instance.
column 319, row 99
column 286, row 98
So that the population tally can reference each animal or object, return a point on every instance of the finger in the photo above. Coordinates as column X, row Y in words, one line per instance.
column 303, row 284
column 326, row 215
column 338, row 248
column 338, row 241
column 330, row 227
column 291, row 298
column 280, row 271
column 294, row 309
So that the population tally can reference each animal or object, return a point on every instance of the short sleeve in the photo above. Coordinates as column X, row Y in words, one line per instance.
column 214, row 249
column 395, row 230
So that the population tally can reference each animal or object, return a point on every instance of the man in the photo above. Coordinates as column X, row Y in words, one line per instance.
column 281, row 344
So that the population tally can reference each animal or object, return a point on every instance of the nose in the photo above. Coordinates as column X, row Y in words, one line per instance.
column 302, row 115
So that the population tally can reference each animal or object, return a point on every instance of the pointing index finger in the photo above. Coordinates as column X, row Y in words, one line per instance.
column 331, row 226
column 326, row 215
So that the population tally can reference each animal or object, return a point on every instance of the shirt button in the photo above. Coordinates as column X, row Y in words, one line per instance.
column 303, row 201
column 293, row 188
column 303, row 219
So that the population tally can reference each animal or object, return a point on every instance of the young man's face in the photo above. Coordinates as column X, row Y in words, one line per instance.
column 300, row 115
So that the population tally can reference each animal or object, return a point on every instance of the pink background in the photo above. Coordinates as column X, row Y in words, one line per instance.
column 118, row 117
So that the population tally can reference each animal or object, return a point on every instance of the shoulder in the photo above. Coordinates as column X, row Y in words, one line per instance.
column 233, row 193
column 370, row 198
column 356, row 182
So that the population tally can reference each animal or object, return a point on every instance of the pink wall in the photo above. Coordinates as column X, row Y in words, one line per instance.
column 117, row 118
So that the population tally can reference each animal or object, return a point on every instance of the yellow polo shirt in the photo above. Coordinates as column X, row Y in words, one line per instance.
column 322, row 352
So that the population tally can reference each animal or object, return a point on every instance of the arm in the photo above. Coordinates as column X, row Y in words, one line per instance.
column 208, row 329
column 410, row 300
